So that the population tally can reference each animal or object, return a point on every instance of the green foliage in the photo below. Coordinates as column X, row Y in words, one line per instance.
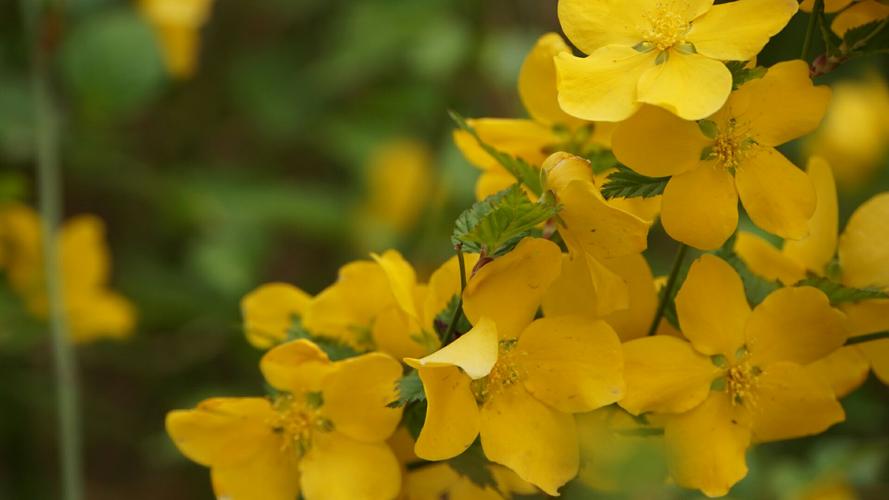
column 524, row 173
column 334, row 349
column 625, row 183
column 473, row 465
column 867, row 39
column 497, row 223
column 741, row 74
column 410, row 390
column 841, row 294
column 413, row 417
column 443, row 319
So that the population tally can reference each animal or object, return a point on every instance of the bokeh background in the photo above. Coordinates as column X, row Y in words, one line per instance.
column 311, row 133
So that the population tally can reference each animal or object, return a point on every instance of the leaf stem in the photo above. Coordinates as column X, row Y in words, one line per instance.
column 867, row 338
column 817, row 12
column 668, row 288
column 458, row 311
column 50, row 201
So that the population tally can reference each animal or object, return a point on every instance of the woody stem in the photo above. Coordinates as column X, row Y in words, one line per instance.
column 867, row 338
column 668, row 288
column 35, row 15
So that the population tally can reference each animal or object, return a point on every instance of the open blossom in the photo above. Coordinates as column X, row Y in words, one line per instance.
column 515, row 381
column 666, row 53
column 330, row 422
column 94, row 311
column 731, row 155
column 737, row 377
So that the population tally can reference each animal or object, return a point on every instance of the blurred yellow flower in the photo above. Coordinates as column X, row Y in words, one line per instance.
column 400, row 181
column 730, row 155
column 854, row 137
column 665, row 53
column 93, row 310
column 177, row 24
column 515, row 381
column 323, row 436
column 863, row 262
column 739, row 378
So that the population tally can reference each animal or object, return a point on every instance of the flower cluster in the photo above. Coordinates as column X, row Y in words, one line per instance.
column 546, row 349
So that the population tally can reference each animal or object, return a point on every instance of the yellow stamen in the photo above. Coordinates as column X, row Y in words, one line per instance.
column 666, row 26
column 296, row 420
column 505, row 373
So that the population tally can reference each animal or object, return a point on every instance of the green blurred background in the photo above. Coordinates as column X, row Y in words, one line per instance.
column 254, row 170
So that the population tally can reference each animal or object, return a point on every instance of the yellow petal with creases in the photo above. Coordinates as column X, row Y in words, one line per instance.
column 700, row 207
column 691, row 86
column 737, row 31
column 452, row 415
column 475, row 352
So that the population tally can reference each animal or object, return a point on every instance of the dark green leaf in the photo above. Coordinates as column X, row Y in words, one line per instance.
column 410, row 390
column 867, row 38
column 498, row 222
column 625, row 183
column 519, row 168
column 414, row 416
column 741, row 74
column 840, row 294
column 473, row 465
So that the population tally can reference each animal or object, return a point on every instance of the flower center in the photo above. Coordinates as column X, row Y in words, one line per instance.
column 505, row 373
column 731, row 146
column 297, row 420
column 666, row 27
column 742, row 381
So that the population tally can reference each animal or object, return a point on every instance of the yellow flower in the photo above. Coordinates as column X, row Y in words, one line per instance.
column 437, row 481
column 740, row 377
column 601, row 240
column 399, row 184
column 93, row 310
column 854, row 137
column 324, row 435
column 863, row 263
column 515, row 381
column 269, row 312
column 178, row 24
column 863, row 12
column 666, row 53
column 550, row 129
column 730, row 155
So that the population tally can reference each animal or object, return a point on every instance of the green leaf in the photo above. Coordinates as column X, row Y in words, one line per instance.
column 334, row 349
column 841, row 294
column 443, row 319
column 414, row 416
column 473, row 465
column 867, row 38
column 741, row 74
column 410, row 390
column 519, row 168
column 497, row 223
column 625, row 183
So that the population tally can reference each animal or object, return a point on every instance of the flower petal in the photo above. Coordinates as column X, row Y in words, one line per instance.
column 877, row 353
column 764, row 260
column 357, row 394
column 534, row 440
column 816, row 250
column 706, row 446
column 269, row 311
column 591, row 25
column 665, row 375
column 571, row 363
column 794, row 324
column 700, row 207
column 788, row 87
column 737, row 31
column 400, row 336
column 296, row 366
column 863, row 253
column 402, row 280
column 689, row 85
column 475, row 351
column 86, row 261
column 525, row 139
column 452, row 417
column 597, row 228
column 712, row 307
column 778, row 196
column 339, row 468
column 657, row 143
column 509, row 289
column 830, row 6
column 222, row 431
column 444, row 284
column 537, row 82
column 790, row 403
column 863, row 12
column 844, row 369
column 601, row 86
column 103, row 314
column 268, row 475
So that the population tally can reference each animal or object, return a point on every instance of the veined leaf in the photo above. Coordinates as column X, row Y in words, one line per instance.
column 410, row 390
column 497, row 223
column 625, row 183
column 867, row 38
column 841, row 294
column 523, row 172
